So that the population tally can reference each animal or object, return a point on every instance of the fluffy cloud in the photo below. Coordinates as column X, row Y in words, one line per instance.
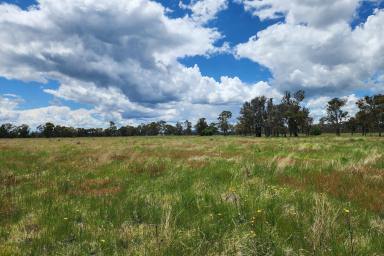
column 122, row 57
column 131, row 45
column 117, row 55
column 316, row 49
column 10, row 112
column 7, row 104
column 201, row 92
column 317, row 13
column 204, row 10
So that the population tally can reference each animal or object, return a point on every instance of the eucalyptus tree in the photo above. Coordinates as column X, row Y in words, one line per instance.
column 179, row 128
column 187, row 127
column 335, row 114
column 292, row 111
column 371, row 112
column 47, row 129
column 200, row 126
column 7, row 130
column 246, row 120
column 259, row 113
column 23, row 131
column 224, row 118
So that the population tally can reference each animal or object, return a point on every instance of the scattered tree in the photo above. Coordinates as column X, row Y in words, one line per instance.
column 187, row 128
column 335, row 114
column 200, row 126
column 224, row 118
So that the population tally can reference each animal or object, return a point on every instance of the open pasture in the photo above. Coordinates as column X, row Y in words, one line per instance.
column 192, row 196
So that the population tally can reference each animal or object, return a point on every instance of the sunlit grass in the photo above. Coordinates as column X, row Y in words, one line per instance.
column 192, row 196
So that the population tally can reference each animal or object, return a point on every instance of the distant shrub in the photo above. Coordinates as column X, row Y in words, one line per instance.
column 316, row 131
column 209, row 131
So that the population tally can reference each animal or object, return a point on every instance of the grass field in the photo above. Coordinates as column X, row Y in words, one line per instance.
column 192, row 196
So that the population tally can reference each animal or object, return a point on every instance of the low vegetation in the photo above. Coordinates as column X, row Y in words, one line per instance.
column 192, row 196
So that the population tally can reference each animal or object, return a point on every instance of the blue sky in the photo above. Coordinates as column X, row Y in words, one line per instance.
column 181, row 60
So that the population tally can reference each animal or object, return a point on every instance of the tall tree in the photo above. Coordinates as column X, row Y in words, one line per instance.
column 246, row 120
column 170, row 130
column 335, row 114
column 152, row 129
column 162, row 126
column 187, row 127
column 111, row 130
column 380, row 114
column 23, row 131
column 224, row 118
column 352, row 125
column 200, row 126
column 258, row 114
column 371, row 112
column 179, row 128
column 47, row 129
column 269, row 119
column 292, row 111
column 305, row 121
column 7, row 130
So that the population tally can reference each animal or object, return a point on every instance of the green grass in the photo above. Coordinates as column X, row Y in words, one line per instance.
column 192, row 196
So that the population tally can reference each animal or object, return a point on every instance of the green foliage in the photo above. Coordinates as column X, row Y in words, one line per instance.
column 335, row 114
column 200, row 126
column 262, row 115
column 210, row 130
column 224, row 118
column 315, row 131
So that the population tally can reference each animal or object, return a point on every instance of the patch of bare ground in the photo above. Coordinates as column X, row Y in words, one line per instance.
column 97, row 187
column 365, row 190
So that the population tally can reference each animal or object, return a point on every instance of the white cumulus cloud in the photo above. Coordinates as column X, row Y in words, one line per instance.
column 316, row 49
column 119, row 56
column 204, row 10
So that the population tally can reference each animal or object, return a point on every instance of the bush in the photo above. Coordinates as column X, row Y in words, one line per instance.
column 210, row 131
column 316, row 131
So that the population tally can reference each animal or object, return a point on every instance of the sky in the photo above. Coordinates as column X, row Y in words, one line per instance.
column 84, row 63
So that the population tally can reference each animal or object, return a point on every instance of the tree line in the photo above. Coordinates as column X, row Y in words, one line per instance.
column 259, row 117
column 369, row 118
